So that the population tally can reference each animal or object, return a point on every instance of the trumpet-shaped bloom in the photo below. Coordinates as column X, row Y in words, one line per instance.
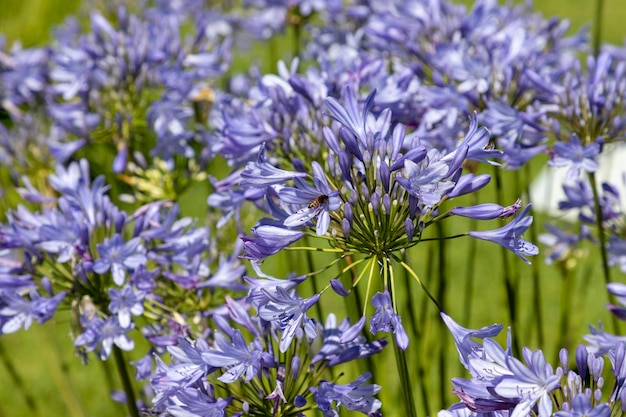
column 267, row 240
column 529, row 384
column 119, row 257
column 124, row 303
column 319, row 201
column 237, row 357
column 354, row 396
column 288, row 312
column 386, row 320
column 510, row 236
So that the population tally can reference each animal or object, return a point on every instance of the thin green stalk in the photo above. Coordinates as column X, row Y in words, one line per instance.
column 510, row 286
column 126, row 382
column 17, row 382
column 410, row 304
column 602, row 239
column 413, row 324
column 469, row 277
column 566, row 303
column 313, row 281
column 405, row 381
column 370, row 363
column 601, row 235
column 401, row 362
column 537, row 323
column 441, row 291
column 297, row 36
column 597, row 27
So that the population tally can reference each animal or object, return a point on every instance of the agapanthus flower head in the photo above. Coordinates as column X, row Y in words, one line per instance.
column 374, row 192
column 109, row 266
column 501, row 384
column 589, row 103
column 234, row 360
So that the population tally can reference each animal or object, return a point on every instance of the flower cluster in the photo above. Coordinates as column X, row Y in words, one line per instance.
column 374, row 192
column 255, row 374
column 503, row 385
column 109, row 267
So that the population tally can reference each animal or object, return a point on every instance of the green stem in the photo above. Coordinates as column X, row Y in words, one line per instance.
column 509, row 284
column 441, row 291
column 597, row 27
column 602, row 238
column 297, row 36
column 469, row 276
column 311, row 267
column 566, row 302
column 405, row 381
column 370, row 364
column 126, row 382
column 401, row 362
column 410, row 304
column 534, row 237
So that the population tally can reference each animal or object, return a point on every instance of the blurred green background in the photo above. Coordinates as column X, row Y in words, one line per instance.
column 40, row 376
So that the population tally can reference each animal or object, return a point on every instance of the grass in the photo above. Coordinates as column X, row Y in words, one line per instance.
column 38, row 365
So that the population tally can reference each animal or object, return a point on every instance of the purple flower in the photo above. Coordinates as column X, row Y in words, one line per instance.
column 125, row 302
column 530, row 384
column 619, row 291
column 102, row 334
column 354, row 396
column 561, row 242
column 288, row 313
column 576, row 157
column 267, row 240
column 335, row 351
column 349, row 115
column 485, row 211
column 616, row 248
column 119, row 257
column 187, row 367
column 320, row 200
column 463, row 338
column 262, row 174
column 428, row 180
column 386, row 320
column 17, row 312
column 63, row 236
column 193, row 401
column 25, row 78
column 236, row 357
column 510, row 236
column 602, row 342
column 469, row 183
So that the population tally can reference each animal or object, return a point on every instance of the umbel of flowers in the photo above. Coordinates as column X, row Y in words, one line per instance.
column 503, row 385
column 373, row 193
